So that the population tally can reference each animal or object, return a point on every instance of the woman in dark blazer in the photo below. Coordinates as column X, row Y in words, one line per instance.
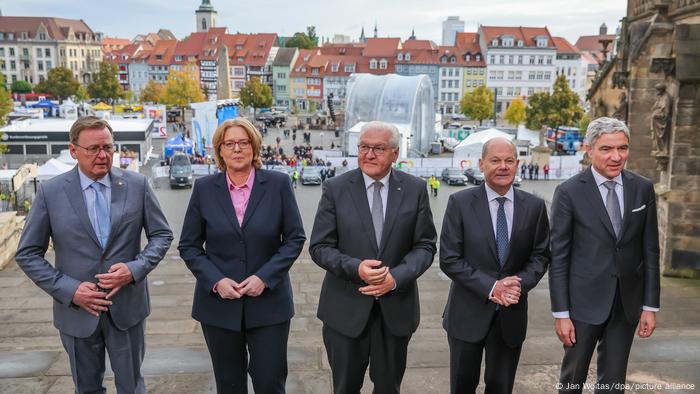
column 242, row 233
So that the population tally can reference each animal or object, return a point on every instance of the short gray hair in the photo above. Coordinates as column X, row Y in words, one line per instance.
column 604, row 125
column 383, row 126
column 485, row 148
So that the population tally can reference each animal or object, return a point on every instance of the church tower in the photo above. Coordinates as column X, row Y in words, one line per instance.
column 206, row 16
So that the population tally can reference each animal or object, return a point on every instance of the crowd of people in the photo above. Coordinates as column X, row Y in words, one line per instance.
column 531, row 171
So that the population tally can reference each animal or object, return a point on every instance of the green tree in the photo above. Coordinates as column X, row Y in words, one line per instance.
column 5, row 108
column 256, row 94
column 105, row 85
column 82, row 94
column 478, row 104
column 311, row 33
column 59, row 83
column 313, row 107
column 583, row 123
column 21, row 86
column 560, row 108
column 515, row 114
column 300, row 40
column 152, row 92
column 182, row 88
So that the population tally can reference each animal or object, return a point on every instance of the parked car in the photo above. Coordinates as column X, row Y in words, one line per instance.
column 517, row 181
column 311, row 176
column 453, row 176
column 474, row 175
column 181, row 173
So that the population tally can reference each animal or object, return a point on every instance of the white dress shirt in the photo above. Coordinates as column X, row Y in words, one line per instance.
column 491, row 196
column 620, row 191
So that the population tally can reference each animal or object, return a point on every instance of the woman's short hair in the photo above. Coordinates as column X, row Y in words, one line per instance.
column 253, row 135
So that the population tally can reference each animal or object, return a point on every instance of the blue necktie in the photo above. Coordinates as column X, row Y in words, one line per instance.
column 102, row 219
column 501, row 231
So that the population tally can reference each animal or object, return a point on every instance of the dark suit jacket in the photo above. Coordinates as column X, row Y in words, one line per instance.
column 588, row 260
column 59, row 214
column 468, row 256
column 343, row 236
column 215, row 246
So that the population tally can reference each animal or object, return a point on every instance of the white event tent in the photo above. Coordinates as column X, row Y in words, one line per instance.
column 468, row 152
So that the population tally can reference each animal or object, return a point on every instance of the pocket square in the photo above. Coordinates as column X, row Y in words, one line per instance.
column 640, row 208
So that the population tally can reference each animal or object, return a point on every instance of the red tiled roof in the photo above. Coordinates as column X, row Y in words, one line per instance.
column 410, row 45
column 382, row 47
column 592, row 44
column 526, row 34
column 113, row 43
column 123, row 55
column 57, row 28
column 564, row 46
column 162, row 53
column 468, row 42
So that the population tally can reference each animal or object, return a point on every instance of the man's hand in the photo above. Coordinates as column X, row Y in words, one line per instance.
column 227, row 289
column 647, row 324
column 507, row 291
column 565, row 331
column 252, row 286
column 379, row 290
column 116, row 277
column 370, row 272
column 90, row 299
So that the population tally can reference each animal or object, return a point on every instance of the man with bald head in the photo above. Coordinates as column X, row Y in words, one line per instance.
column 495, row 247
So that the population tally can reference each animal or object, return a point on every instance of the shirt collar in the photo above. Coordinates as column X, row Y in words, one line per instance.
column 492, row 195
column 248, row 183
column 600, row 179
column 369, row 181
column 85, row 181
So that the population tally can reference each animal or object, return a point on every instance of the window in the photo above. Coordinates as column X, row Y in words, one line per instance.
column 449, row 72
column 520, row 58
column 349, row 68
column 494, row 42
column 373, row 64
column 482, row 71
column 520, row 43
column 510, row 59
column 532, row 59
column 541, row 42
column 549, row 59
column 540, row 75
column 38, row 52
column 531, row 75
column 453, row 59
column 314, row 71
column 40, row 65
column 281, row 75
column 530, row 91
column 468, row 57
column 469, row 83
column 481, row 82
column 478, row 57
column 2, row 65
column 399, row 56
column 444, row 84
column 509, row 92
column 335, row 67
column 492, row 75
column 547, row 75
column 2, row 51
column 25, row 51
column 383, row 64
column 492, row 59
column 407, row 57
column 13, row 65
column 502, row 59
column 507, row 42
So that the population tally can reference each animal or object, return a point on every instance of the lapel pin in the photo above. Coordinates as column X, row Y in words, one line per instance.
column 120, row 183
column 398, row 188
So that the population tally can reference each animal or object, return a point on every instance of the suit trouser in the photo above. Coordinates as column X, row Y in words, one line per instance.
column 229, row 351
column 125, row 348
column 614, row 339
column 376, row 346
column 501, row 362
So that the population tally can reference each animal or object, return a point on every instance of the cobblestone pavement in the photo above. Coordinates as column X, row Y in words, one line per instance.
column 32, row 359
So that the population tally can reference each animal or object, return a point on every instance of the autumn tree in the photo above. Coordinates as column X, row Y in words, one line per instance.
column 256, row 94
column 105, row 85
column 21, row 87
column 82, row 94
column 182, row 88
column 478, row 104
column 5, row 108
column 152, row 93
column 560, row 108
column 59, row 83
column 515, row 114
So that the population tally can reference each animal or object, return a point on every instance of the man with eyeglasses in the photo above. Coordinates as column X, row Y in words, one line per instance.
column 374, row 236
column 94, row 215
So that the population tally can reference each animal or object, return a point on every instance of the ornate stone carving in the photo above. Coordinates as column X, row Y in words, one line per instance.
column 621, row 109
column 667, row 65
column 619, row 80
column 600, row 108
column 661, row 123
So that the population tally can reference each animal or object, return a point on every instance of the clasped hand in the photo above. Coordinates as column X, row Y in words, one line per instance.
column 379, row 279
column 507, row 291
column 229, row 289
column 116, row 277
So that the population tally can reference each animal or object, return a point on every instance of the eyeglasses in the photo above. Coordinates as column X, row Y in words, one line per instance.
column 93, row 150
column 378, row 150
column 231, row 145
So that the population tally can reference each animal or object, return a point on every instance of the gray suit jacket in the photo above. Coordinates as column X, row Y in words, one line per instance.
column 343, row 236
column 589, row 262
column 59, row 213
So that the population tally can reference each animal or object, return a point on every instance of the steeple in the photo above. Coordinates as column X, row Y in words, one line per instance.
column 362, row 35
column 375, row 29
column 206, row 16
column 413, row 34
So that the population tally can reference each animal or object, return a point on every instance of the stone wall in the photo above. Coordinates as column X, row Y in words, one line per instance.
column 10, row 230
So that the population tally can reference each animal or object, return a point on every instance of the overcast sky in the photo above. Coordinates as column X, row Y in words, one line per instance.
column 395, row 18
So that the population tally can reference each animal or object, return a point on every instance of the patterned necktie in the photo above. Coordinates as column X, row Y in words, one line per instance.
column 612, row 205
column 102, row 219
column 378, row 211
column 501, row 231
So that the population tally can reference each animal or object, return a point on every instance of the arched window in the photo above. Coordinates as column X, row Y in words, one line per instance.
column 204, row 24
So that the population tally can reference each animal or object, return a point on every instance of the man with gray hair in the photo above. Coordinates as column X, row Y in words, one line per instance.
column 604, row 276
column 374, row 236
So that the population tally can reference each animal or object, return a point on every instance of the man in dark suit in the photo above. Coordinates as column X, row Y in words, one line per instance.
column 494, row 246
column 94, row 215
column 374, row 235
column 604, row 277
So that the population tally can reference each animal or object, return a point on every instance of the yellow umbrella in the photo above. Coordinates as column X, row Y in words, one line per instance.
column 101, row 107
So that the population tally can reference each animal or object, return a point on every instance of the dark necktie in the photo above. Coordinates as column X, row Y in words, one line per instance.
column 102, row 218
column 612, row 205
column 501, row 231
column 378, row 211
